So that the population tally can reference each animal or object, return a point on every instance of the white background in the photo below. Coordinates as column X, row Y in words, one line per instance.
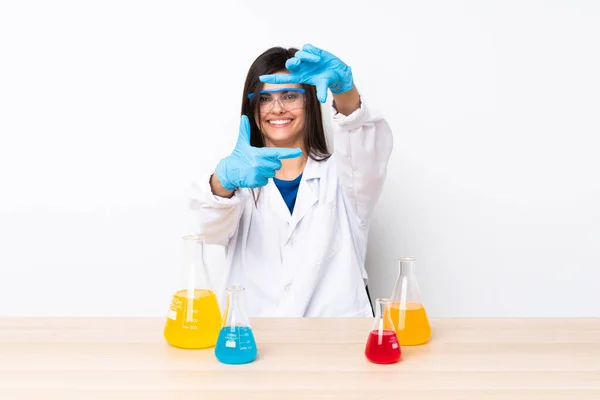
column 109, row 110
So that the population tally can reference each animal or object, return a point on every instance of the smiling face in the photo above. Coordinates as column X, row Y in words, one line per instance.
column 302, row 128
column 281, row 126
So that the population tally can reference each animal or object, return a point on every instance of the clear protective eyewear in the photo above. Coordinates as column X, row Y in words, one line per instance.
column 288, row 98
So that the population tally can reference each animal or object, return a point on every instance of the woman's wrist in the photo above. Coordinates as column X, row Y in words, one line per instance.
column 348, row 102
column 218, row 189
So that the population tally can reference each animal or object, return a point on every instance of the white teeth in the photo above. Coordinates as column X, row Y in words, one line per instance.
column 281, row 121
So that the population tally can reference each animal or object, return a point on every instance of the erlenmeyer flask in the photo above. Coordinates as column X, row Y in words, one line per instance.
column 382, row 344
column 194, row 318
column 408, row 312
column 236, row 344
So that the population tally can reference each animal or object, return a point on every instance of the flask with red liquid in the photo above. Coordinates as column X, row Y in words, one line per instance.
column 382, row 344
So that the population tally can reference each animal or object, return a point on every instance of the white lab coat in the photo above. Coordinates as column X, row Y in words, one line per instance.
column 310, row 263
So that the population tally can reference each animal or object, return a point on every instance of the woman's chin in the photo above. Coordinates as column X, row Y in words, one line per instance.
column 280, row 139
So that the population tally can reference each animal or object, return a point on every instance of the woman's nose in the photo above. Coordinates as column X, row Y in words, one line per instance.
column 277, row 107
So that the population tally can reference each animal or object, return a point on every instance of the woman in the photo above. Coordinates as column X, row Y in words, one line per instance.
column 294, row 218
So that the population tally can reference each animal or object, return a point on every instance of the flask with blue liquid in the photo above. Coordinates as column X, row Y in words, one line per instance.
column 235, row 344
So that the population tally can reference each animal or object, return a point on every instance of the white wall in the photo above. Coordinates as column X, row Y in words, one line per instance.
column 108, row 110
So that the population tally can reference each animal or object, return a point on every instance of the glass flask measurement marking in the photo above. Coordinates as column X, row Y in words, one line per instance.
column 194, row 324
column 382, row 347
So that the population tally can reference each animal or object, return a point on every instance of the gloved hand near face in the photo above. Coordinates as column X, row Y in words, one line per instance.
column 251, row 167
column 316, row 67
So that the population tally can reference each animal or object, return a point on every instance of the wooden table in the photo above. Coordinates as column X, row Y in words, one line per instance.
column 301, row 359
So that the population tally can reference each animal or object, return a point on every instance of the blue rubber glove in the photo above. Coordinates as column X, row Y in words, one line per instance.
column 318, row 68
column 251, row 167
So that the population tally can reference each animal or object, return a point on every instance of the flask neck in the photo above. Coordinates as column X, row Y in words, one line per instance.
column 193, row 248
column 233, row 298
column 235, row 313
column 195, row 276
column 383, row 319
column 380, row 308
column 407, row 267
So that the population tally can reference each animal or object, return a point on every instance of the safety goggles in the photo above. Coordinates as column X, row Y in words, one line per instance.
column 288, row 99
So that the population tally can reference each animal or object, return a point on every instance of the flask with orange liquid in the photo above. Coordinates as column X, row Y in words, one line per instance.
column 408, row 312
column 194, row 317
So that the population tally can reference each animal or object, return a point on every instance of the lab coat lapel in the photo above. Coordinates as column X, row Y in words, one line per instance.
column 307, row 196
column 276, row 203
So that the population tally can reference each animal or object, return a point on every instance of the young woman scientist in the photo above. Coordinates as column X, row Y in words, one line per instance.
column 294, row 218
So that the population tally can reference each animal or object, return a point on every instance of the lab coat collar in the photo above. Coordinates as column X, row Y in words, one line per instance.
column 313, row 169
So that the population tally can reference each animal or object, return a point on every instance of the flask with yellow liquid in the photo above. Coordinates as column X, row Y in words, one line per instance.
column 408, row 311
column 194, row 317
